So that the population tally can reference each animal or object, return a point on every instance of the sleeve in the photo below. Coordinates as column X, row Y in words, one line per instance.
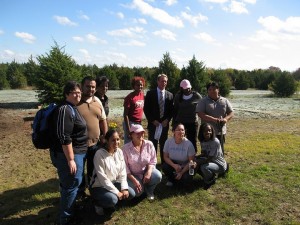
column 191, row 149
column 200, row 106
column 126, row 103
column 215, row 146
column 65, row 125
column 166, row 146
column 100, row 165
column 176, row 106
column 170, row 106
column 122, row 178
column 229, row 108
column 147, row 106
column 125, row 155
column 103, row 114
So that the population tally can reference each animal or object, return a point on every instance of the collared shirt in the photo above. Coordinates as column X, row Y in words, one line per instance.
column 137, row 161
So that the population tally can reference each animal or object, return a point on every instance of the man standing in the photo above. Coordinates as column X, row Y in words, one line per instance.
column 158, row 109
column 91, row 109
column 216, row 110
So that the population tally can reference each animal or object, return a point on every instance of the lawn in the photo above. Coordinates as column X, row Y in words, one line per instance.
column 262, row 187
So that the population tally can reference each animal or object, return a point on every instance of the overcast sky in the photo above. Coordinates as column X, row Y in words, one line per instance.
column 240, row 34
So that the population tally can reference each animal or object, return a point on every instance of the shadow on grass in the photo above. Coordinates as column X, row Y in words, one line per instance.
column 19, row 105
column 39, row 204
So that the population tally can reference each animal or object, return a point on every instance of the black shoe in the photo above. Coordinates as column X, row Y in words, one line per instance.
column 225, row 172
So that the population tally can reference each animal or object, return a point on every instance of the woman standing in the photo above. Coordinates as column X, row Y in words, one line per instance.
column 140, row 158
column 69, row 148
column 109, row 182
column 133, row 106
column 185, row 103
column 178, row 152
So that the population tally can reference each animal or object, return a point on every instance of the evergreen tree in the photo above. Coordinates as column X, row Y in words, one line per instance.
column 56, row 68
column 284, row 85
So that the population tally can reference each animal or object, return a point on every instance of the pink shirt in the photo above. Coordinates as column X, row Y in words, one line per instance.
column 137, row 162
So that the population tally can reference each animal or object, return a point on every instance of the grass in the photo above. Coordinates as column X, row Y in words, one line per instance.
column 262, row 187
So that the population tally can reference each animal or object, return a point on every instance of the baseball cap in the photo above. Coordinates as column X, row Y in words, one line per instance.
column 136, row 128
column 185, row 84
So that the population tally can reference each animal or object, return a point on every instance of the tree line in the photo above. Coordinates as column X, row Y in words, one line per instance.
column 49, row 74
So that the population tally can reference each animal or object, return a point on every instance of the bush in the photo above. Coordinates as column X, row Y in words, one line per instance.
column 284, row 85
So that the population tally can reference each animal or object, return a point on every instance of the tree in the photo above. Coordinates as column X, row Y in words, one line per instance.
column 296, row 74
column 30, row 71
column 124, row 75
column 15, row 76
column 195, row 73
column 242, row 81
column 223, row 80
column 284, row 85
column 56, row 68
column 110, row 73
column 4, row 84
column 168, row 67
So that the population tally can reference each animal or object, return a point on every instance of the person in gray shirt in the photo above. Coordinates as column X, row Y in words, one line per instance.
column 216, row 110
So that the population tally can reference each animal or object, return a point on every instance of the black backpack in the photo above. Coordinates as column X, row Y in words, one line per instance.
column 41, row 129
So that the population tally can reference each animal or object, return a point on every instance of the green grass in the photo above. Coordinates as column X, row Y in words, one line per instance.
column 262, row 187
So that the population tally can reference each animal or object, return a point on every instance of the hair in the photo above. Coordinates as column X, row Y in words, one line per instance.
column 89, row 78
column 175, row 125
column 162, row 75
column 69, row 87
column 212, row 84
column 109, row 133
column 100, row 80
column 136, row 79
column 202, row 129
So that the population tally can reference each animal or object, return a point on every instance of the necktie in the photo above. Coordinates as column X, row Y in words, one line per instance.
column 161, row 105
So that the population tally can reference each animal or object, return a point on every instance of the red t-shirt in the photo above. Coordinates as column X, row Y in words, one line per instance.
column 135, row 105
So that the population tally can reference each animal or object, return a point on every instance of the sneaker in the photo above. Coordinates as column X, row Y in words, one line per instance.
column 150, row 197
column 99, row 210
column 169, row 184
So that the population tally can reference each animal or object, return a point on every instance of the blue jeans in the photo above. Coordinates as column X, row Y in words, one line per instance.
column 149, row 187
column 209, row 170
column 107, row 199
column 68, row 183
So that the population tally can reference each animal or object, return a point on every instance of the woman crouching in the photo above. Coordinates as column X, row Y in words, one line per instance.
column 109, row 182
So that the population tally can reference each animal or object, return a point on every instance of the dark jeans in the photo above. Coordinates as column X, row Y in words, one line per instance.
column 162, row 140
column 169, row 171
column 191, row 133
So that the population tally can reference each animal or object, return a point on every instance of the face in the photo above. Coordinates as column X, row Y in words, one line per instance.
column 138, row 86
column 114, row 141
column 89, row 88
column 137, row 137
column 187, row 91
column 213, row 92
column 102, row 89
column 162, row 82
column 207, row 133
column 179, row 132
column 74, row 96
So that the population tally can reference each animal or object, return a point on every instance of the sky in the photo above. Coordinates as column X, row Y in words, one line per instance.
column 238, row 34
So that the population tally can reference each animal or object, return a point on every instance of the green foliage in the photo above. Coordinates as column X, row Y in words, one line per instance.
column 30, row 71
column 124, row 75
column 284, row 85
column 15, row 76
column 110, row 73
column 3, row 81
column 196, row 74
column 242, row 82
column 56, row 68
column 168, row 67
column 223, row 80
column 296, row 74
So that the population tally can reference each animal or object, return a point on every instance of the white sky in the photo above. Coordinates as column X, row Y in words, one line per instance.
column 240, row 34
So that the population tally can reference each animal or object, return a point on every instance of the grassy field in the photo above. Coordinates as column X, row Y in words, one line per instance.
column 262, row 187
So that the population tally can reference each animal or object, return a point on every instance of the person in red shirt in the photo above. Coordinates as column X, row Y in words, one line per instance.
column 133, row 106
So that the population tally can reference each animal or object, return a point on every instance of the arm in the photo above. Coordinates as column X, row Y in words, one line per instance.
column 167, row 159
column 68, row 151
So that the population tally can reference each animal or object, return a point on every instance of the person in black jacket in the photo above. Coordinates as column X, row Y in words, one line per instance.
column 158, row 109
column 68, row 150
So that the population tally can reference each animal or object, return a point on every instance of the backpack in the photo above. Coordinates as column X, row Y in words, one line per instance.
column 41, row 129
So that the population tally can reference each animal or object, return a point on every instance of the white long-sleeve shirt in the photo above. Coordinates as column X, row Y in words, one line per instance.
column 109, row 168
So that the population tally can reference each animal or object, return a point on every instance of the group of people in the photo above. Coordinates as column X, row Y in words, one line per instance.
column 117, row 173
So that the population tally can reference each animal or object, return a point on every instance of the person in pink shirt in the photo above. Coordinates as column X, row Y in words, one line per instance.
column 140, row 159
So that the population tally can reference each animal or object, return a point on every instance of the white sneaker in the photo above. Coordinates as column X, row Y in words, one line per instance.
column 150, row 197
column 169, row 184
column 99, row 210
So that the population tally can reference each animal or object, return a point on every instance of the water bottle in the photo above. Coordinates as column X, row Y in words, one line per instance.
column 191, row 168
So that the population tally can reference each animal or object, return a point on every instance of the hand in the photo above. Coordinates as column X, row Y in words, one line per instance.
column 120, row 195
column 155, row 123
column 125, row 194
column 178, row 176
column 165, row 123
column 177, row 168
column 138, row 186
column 147, row 177
column 72, row 166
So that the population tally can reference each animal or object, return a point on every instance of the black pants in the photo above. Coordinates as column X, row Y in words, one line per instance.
column 191, row 130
